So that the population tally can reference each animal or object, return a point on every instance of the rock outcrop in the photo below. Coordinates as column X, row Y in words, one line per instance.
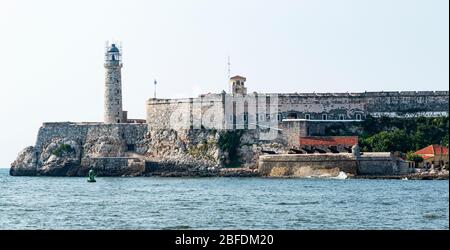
column 69, row 149
column 25, row 164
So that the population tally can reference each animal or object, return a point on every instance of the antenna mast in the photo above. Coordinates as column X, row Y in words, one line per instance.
column 229, row 75
column 229, row 68
column 154, row 94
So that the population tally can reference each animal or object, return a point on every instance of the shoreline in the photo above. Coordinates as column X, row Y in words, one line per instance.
column 414, row 176
column 253, row 173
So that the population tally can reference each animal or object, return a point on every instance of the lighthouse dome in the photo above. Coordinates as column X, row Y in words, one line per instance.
column 113, row 48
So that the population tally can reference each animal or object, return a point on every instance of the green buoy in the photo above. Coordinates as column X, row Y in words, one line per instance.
column 91, row 176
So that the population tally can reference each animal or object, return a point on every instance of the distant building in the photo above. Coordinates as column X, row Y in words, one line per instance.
column 434, row 154
column 243, row 109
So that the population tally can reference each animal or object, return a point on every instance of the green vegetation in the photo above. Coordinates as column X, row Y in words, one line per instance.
column 229, row 141
column 395, row 134
column 410, row 156
column 387, row 141
column 63, row 148
column 445, row 140
column 403, row 134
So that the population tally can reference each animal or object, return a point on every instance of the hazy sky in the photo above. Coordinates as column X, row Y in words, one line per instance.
column 51, row 63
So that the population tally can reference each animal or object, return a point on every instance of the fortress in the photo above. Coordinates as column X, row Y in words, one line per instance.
column 239, row 109
column 185, row 133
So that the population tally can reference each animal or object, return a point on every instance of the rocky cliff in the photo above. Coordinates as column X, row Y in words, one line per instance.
column 71, row 149
column 67, row 149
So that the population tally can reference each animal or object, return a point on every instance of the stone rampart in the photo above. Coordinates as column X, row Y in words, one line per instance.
column 191, row 112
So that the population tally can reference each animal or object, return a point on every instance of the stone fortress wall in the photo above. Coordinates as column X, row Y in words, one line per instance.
column 185, row 113
column 129, row 134
column 336, row 105
column 164, row 113
column 110, row 149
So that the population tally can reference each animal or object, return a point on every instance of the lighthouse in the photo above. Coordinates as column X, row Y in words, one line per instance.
column 113, row 85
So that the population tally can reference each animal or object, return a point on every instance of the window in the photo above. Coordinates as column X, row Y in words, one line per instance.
column 307, row 116
column 292, row 115
column 324, row 117
column 245, row 117
column 341, row 117
column 130, row 147
column 358, row 117
column 279, row 117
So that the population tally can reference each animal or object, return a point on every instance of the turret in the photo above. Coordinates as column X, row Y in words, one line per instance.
column 237, row 85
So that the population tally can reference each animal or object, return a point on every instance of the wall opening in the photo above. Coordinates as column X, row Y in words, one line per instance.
column 292, row 115
column 131, row 147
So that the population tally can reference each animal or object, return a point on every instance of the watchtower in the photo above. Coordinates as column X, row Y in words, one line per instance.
column 237, row 85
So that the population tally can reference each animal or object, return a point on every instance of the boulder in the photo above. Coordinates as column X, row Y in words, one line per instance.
column 25, row 164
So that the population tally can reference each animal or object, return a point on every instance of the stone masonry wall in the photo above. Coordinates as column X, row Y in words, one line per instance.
column 113, row 112
column 83, row 132
column 329, row 164
column 307, row 165
column 333, row 105
column 161, row 113
column 186, row 113
column 71, row 149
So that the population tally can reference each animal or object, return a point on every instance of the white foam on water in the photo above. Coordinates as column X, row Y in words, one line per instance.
column 341, row 176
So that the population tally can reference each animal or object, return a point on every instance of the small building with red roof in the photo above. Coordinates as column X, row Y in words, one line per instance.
column 434, row 154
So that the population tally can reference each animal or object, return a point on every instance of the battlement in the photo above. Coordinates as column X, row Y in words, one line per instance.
column 367, row 94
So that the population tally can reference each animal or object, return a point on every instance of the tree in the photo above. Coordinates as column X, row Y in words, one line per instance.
column 445, row 140
column 411, row 156
column 388, row 141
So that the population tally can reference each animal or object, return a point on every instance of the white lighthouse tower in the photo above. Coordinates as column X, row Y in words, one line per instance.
column 113, row 85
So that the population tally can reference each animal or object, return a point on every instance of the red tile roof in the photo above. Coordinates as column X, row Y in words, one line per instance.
column 432, row 150
column 329, row 140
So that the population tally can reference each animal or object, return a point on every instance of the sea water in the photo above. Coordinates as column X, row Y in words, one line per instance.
column 221, row 203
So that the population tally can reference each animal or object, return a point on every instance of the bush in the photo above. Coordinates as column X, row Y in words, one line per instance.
column 411, row 156
column 445, row 140
column 229, row 141
column 63, row 148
